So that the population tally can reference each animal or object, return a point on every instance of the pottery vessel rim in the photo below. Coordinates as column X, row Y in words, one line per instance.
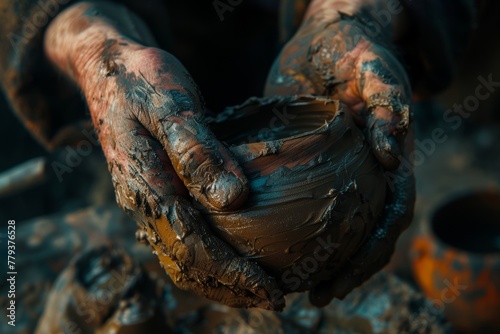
column 448, row 202
column 258, row 103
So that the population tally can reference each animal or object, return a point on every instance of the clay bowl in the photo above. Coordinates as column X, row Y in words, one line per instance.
column 316, row 190
column 456, row 261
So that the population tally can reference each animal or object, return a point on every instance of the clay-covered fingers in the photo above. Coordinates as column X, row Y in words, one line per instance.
column 384, row 88
column 147, row 187
column 167, row 102
column 198, row 261
column 201, row 161
column 142, row 174
column 377, row 250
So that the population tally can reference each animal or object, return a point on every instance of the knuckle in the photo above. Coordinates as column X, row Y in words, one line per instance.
column 188, row 154
column 182, row 254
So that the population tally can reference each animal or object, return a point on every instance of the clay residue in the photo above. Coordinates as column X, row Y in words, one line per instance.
column 103, row 291
column 317, row 196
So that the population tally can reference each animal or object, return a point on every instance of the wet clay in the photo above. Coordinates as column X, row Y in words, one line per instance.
column 316, row 190
column 103, row 291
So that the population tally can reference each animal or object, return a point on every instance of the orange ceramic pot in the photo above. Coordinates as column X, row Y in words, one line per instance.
column 456, row 261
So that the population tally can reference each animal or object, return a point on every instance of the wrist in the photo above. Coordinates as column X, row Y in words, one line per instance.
column 88, row 49
column 379, row 17
column 328, row 10
column 78, row 39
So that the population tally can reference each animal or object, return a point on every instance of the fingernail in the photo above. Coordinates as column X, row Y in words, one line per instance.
column 226, row 191
column 387, row 150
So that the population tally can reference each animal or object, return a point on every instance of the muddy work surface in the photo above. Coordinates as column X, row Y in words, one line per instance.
column 50, row 247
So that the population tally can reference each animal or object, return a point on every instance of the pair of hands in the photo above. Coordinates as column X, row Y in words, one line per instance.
column 148, row 112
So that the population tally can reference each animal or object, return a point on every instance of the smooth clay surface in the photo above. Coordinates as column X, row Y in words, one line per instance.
column 316, row 190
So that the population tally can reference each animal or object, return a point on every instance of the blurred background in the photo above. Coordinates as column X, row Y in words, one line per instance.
column 468, row 160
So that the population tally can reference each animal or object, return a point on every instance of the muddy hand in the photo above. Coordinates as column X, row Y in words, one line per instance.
column 148, row 115
column 334, row 55
column 376, row 252
column 337, row 55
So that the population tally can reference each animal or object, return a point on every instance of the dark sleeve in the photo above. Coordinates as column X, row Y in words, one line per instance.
column 50, row 106
column 39, row 96
column 440, row 30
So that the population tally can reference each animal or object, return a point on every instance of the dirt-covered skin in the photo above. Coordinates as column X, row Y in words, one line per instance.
column 316, row 189
column 148, row 115
column 103, row 291
column 335, row 54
